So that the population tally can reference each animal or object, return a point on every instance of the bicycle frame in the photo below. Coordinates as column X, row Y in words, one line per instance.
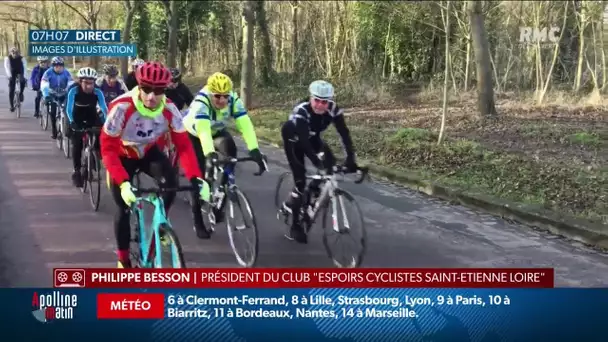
column 146, row 245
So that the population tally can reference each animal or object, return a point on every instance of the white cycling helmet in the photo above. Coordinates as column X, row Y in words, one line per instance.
column 321, row 89
column 87, row 73
column 137, row 62
column 57, row 61
column 42, row 58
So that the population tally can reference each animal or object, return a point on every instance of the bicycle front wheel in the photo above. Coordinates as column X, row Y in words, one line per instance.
column 59, row 134
column 343, row 226
column 172, row 255
column 94, row 179
column 17, row 102
column 246, row 253
column 66, row 140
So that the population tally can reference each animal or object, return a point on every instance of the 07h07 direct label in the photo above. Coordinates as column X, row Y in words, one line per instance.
column 317, row 306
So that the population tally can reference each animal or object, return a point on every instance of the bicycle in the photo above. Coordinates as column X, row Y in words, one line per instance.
column 317, row 200
column 144, row 254
column 91, row 165
column 236, row 199
column 63, row 142
column 17, row 97
column 44, row 118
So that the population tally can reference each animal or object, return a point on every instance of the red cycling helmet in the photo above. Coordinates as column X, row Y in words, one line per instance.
column 153, row 74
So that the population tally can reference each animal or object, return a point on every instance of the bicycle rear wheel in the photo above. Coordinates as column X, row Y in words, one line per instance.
column 64, row 136
column 46, row 118
column 94, row 178
column 170, row 243
column 335, row 207
column 238, row 201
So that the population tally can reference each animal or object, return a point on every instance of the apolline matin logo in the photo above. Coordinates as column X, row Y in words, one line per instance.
column 53, row 306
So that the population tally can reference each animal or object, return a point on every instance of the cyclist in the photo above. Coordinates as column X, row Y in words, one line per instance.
column 206, row 122
column 37, row 72
column 110, row 84
column 81, row 109
column 302, row 137
column 14, row 64
column 128, row 144
column 178, row 92
column 130, row 79
column 55, row 78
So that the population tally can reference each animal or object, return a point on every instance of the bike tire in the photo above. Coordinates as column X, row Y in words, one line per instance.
column 135, row 253
column 278, row 200
column 66, row 140
column 59, row 134
column 47, row 119
column 358, row 259
column 94, row 179
column 236, row 199
column 18, row 102
column 85, row 170
column 177, row 255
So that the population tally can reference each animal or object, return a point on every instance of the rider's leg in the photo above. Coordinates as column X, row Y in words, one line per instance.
column 37, row 103
column 53, row 120
column 11, row 91
column 199, row 226
column 77, row 145
column 22, row 88
column 295, row 158
column 122, row 226
column 224, row 144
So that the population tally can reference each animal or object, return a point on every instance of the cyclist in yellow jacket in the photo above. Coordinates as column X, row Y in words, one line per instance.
column 206, row 121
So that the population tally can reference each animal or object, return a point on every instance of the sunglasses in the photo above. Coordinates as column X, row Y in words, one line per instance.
column 88, row 82
column 220, row 96
column 321, row 101
column 156, row 91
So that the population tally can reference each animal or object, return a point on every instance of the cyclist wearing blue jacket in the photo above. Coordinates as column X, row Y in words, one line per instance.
column 37, row 72
column 55, row 79
column 81, row 109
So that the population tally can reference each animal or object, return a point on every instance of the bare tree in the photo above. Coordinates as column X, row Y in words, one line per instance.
column 131, row 6
column 90, row 16
column 171, row 9
column 481, row 48
column 247, row 64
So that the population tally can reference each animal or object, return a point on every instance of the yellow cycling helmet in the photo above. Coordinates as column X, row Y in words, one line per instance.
column 219, row 83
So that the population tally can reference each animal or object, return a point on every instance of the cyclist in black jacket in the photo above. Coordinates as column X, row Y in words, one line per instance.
column 302, row 137
column 178, row 92
column 130, row 80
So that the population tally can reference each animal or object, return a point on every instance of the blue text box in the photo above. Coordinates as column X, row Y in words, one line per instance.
column 74, row 36
column 69, row 50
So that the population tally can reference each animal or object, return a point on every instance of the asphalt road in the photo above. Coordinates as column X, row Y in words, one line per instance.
column 46, row 223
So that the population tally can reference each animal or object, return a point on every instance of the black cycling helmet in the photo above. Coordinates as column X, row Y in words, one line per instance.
column 176, row 75
column 110, row 70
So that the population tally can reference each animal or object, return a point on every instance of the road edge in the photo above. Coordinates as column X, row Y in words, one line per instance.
column 577, row 229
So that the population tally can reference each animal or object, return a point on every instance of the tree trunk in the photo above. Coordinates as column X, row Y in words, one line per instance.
column 173, row 27
column 247, row 64
column 266, row 55
column 126, row 32
column 294, row 36
column 481, row 49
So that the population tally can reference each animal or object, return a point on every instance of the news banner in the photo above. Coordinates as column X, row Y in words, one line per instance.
column 308, row 305
column 70, row 43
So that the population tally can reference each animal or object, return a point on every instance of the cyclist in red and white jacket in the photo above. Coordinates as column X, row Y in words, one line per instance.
column 135, row 122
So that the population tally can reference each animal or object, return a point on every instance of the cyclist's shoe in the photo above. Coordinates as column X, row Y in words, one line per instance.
column 124, row 264
column 163, row 238
column 297, row 233
column 12, row 109
column 21, row 97
column 77, row 179
column 201, row 231
column 36, row 115
column 54, row 136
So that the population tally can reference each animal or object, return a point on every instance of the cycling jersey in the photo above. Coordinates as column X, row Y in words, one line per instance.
column 310, row 125
column 111, row 92
column 180, row 95
column 203, row 121
column 131, row 130
column 52, row 80
column 36, row 76
column 14, row 65
column 130, row 80
column 82, row 106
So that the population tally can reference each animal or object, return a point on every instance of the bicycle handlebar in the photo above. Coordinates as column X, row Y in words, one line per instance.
column 225, row 161
column 140, row 191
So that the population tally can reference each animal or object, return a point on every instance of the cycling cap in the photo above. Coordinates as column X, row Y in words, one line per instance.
column 153, row 74
column 87, row 73
column 321, row 89
column 57, row 61
column 42, row 58
column 219, row 83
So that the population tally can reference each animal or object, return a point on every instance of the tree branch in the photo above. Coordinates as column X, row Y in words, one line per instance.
column 86, row 20
column 8, row 16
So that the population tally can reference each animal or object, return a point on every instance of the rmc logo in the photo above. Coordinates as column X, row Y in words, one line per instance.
column 535, row 35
